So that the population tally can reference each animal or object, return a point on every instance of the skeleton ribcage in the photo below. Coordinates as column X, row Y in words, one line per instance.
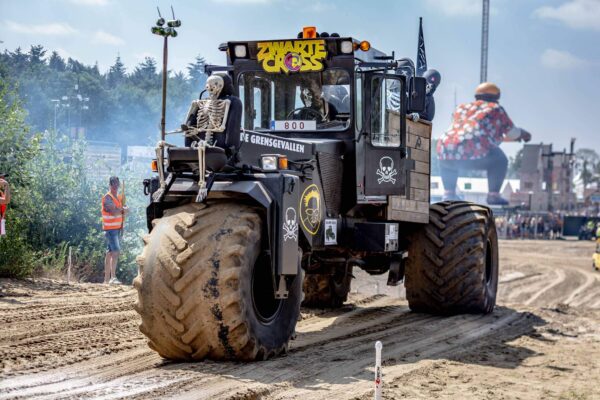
column 212, row 115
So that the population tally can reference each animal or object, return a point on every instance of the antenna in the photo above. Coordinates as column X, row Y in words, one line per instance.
column 169, row 31
column 485, row 30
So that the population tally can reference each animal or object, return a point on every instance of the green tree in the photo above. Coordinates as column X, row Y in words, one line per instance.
column 197, row 76
column 586, row 162
column 144, row 75
column 514, row 164
column 116, row 74
column 56, row 62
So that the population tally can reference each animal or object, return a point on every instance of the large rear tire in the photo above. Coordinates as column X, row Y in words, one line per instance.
column 326, row 291
column 205, row 290
column 452, row 264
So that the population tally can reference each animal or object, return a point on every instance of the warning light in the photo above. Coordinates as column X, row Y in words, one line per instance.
column 309, row 32
column 154, row 166
column 283, row 162
column 364, row 45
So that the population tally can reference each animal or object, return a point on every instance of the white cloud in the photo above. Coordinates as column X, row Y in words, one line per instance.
column 456, row 7
column 563, row 60
column 320, row 7
column 101, row 37
column 52, row 29
column 578, row 14
column 89, row 2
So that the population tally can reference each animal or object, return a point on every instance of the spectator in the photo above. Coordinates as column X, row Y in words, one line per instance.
column 4, row 200
column 113, row 212
column 4, row 190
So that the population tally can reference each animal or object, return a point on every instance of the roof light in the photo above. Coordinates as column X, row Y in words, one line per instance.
column 240, row 51
column 365, row 46
column 346, row 47
column 309, row 32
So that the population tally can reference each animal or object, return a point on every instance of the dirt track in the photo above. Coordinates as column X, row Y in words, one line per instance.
column 543, row 341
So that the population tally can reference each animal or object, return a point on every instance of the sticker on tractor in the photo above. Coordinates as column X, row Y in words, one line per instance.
column 310, row 209
column 330, row 232
column 386, row 170
column 290, row 225
column 292, row 55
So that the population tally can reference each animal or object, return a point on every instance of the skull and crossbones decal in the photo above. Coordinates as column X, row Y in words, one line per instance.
column 386, row 170
column 290, row 225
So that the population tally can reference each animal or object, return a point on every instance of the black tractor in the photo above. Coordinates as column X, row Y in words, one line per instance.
column 304, row 159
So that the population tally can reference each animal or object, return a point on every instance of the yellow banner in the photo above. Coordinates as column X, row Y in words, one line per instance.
column 292, row 55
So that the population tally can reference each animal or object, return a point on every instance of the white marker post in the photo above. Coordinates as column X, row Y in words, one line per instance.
column 378, row 380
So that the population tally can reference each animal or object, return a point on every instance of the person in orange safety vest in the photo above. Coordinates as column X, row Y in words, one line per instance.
column 112, row 224
column 4, row 200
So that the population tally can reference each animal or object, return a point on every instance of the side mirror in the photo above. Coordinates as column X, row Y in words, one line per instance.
column 417, row 94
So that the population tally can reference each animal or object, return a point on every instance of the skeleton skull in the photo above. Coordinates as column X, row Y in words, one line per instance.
column 290, row 226
column 214, row 85
column 307, row 97
column 386, row 165
column 290, row 216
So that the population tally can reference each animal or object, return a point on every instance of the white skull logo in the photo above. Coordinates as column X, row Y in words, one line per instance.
column 214, row 85
column 386, row 170
column 290, row 226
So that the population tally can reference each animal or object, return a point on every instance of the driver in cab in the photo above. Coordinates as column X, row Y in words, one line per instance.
column 315, row 106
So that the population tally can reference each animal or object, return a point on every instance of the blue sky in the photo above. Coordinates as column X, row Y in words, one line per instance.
column 544, row 55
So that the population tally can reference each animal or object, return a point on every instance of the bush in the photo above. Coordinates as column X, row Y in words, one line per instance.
column 17, row 149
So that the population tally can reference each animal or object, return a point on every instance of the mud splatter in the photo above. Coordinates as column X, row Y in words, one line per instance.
column 222, row 232
column 216, row 311
column 211, row 288
column 224, row 339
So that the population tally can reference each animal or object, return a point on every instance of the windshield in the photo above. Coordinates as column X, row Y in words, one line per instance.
column 307, row 101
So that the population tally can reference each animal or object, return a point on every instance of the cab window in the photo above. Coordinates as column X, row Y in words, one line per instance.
column 316, row 100
column 386, row 109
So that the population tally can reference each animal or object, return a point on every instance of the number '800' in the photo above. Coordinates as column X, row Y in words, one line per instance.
column 294, row 125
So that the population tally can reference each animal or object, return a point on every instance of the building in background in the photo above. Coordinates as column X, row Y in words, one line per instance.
column 472, row 189
column 103, row 159
column 546, row 179
column 140, row 157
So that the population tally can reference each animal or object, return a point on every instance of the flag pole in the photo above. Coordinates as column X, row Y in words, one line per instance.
column 421, row 55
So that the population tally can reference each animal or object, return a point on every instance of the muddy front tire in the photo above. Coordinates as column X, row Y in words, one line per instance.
column 205, row 290
column 452, row 264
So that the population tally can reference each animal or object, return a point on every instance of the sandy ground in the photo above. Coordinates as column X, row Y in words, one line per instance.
column 542, row 342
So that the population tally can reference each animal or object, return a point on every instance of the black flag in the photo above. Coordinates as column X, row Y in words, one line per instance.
column 421, row 57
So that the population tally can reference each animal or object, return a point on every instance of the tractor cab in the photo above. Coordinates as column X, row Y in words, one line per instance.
column 335, row 95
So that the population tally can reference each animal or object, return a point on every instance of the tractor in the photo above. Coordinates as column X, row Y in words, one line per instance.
column 307, row 160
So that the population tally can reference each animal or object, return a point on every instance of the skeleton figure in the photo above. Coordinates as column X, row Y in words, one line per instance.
column 211, row 113
column 290, row 226
column 211, row 117
column 386, row 170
